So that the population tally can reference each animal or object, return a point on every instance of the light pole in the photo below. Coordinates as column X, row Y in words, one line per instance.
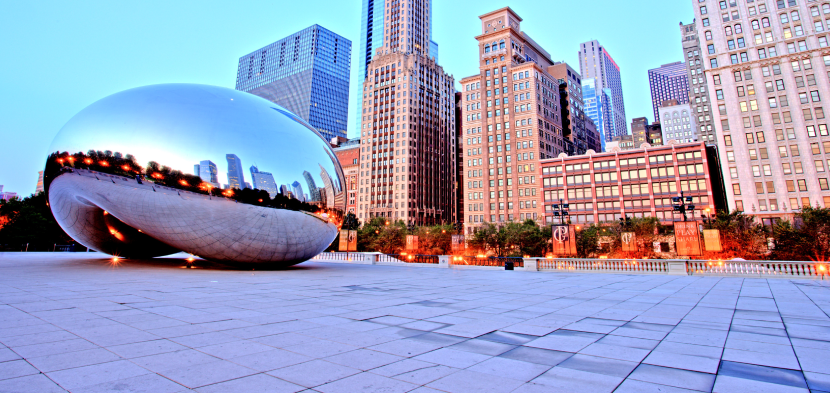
column 561, row 210
column 708, row 216
column 682, row 205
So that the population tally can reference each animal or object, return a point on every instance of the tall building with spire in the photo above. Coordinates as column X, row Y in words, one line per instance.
column 407, row 129
column 596, row 62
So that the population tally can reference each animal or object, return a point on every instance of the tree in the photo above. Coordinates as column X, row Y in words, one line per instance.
column 30, row 220
column 587, row 241
column 350, row 222
column 806, row 239
column 488, row 239
column 377, row 236
column 434, row 240
column 524, row 239
column 741, row 236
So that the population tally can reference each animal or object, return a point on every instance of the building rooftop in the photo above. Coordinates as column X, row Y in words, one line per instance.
column 79, row 322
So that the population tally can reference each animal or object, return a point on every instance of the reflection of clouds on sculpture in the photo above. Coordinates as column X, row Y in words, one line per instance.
column 206, row 135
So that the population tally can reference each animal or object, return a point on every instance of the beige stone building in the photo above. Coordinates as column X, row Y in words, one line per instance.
column 511, row 119
column 407, row 149
column 766, row 65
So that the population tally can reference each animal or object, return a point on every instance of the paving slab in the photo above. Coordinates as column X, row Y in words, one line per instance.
column 76, row 322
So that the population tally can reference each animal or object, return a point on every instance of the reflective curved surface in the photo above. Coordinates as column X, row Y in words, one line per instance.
column 219, row 173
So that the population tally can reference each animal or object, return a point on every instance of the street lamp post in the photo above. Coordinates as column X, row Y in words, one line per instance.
column 682, row 205
column 561, row 210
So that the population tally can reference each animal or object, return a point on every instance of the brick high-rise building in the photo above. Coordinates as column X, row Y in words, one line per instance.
column 459, row 159
column 407, row 150
column 668, row 82
column 698, row 91
column 579, row 131
column 767, row 64
column 511, row 120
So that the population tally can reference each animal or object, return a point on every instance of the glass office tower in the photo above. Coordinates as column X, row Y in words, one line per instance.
column 306, row 73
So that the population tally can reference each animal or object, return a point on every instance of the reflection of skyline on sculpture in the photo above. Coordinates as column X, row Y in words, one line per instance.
column 276, row 133
column 144, row 170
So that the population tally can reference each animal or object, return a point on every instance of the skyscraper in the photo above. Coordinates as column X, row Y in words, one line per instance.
column 698, row 91
column 208, row 172
column 372, row 30
column 298, row 190
column 39, row 186
column 313, row 191
column 592, row 97
column 596, row 62
column 579, row 131
column 264, row 181
column 236, row 175
column 407, row 132
column 306, row 73
column 511, row 121
column 669, row 82
column 772, row 132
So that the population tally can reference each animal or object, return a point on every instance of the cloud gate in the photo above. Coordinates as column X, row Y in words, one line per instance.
column 218, row 173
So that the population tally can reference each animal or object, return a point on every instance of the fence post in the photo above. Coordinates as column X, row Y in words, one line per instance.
column 677, row 267
column 531, row 264
column 444, row 261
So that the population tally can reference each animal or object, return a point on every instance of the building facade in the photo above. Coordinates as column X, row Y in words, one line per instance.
column 698, row 90
column 678, row 122
column 767, row 65
column 407, row 134
column 372, row 34
column 596, row 62
column 594, row 99
column 511, row 120
column 349, row 157
column 579, row 132
column 642, row 132
column 669, row 82
column 605, row 187
column 208, row 171
column 39, row 186
column 306, row 73
column 236, row 175
column 264, row 181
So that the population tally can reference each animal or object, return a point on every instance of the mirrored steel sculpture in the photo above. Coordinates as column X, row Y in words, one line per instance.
column 218, row 173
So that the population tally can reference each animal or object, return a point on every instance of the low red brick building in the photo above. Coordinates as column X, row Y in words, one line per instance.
column 604, row 187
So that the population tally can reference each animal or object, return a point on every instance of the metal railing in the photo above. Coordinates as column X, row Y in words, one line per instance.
column 759, row 269
column 605, row 265
column 407, row 258
column 337, row 256
column 792, row 269
column 486, row 261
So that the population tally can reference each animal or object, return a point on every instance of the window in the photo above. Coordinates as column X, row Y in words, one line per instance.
column 802, row 185
column 736, row 189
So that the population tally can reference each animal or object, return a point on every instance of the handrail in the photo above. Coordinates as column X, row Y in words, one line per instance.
column 761, row 269
column 605, row 265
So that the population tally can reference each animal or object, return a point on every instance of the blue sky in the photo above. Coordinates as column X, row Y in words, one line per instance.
column 60, row 56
